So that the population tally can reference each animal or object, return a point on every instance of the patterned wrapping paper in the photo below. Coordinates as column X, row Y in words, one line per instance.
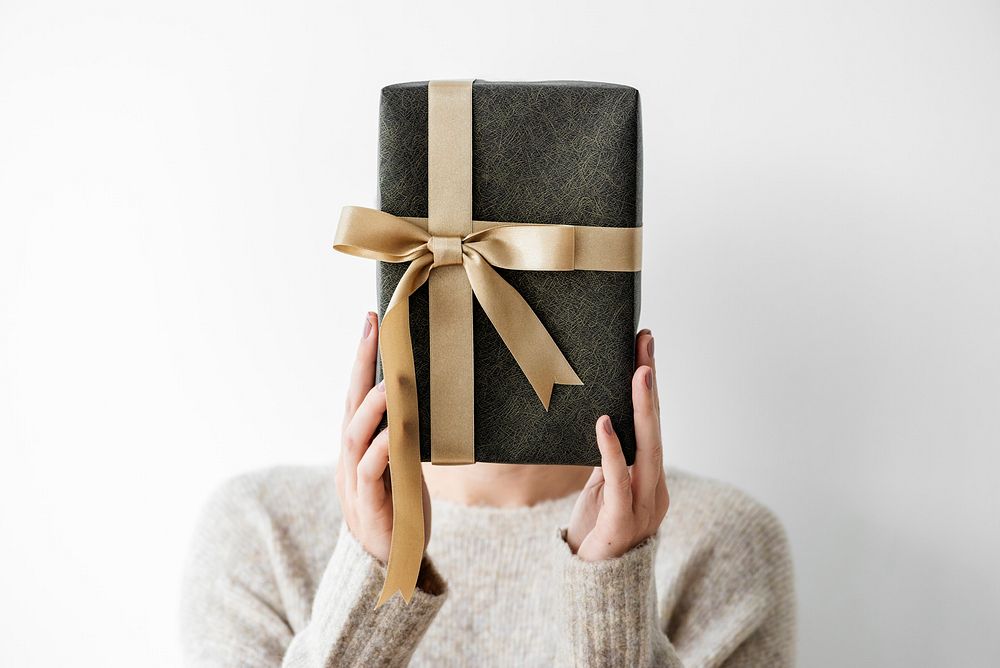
column 553, row 152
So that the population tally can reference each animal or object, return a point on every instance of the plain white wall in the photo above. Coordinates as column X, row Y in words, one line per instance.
column 822, row 211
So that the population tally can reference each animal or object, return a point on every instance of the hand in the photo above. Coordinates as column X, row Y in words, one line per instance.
column 363, row 483
column 618, row 507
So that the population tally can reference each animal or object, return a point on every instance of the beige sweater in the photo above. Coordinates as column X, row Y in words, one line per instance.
column 275, row 579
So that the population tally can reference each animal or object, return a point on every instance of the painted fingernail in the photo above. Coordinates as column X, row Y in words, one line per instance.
column 607, row 425
column 368, row 325
column 649, row 347
column 381, row 386
column 649, row 379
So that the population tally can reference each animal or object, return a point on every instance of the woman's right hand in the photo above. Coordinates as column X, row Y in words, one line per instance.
column 363, row 485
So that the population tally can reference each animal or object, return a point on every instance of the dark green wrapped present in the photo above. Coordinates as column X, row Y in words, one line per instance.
column 551, row 153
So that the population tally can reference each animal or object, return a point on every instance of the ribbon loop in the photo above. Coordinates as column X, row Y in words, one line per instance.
column 527, row 247
column 376, row 235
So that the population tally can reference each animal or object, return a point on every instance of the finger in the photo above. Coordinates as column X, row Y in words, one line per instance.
column 343, row 496
column 644, row 357
column 363, row 372
column 426, row 498
column 371, row 487
column 596, row 478
column 648, row 449
column 617, row 481
column 586, row 510
column 593, row 491
column 662, row 498
column 643, row 348
column 365, row 421
column 358, row 435
column 338, row 478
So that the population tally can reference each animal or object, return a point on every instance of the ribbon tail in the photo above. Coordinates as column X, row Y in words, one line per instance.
column 407, row 548
column 541, row 360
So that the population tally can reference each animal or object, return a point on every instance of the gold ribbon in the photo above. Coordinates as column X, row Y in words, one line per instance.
column 456, row 255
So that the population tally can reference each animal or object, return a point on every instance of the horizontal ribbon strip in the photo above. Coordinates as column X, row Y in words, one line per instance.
column 593, row 248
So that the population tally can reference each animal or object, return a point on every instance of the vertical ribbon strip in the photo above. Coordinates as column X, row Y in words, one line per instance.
column 449, row 216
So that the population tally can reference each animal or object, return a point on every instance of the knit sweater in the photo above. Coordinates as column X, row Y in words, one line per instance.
column 276, row 579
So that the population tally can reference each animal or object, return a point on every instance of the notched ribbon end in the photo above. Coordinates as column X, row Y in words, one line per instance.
column 544, row 391
column 388, row 595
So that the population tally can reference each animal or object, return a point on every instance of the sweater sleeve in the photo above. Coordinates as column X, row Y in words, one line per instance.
column 609, row 610
column 237, row 603
column 731, row 606
column 346, row 630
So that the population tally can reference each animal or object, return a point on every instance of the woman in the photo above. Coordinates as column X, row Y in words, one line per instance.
column 529, row 565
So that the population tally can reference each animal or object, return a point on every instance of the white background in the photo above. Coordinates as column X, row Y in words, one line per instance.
column 822, row 206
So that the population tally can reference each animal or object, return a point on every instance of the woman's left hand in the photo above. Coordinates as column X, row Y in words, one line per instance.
column 621, row 506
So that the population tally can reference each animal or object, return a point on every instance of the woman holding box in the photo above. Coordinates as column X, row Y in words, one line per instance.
column 528, row 566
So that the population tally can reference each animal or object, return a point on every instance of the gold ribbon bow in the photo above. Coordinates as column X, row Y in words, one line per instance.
column 462, row 264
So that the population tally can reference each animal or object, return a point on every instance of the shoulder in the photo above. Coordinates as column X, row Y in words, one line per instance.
column 266, row 509
column 710, row 521
column 715, row 505
column 274, row 490
column 260, row 535
column 258, row 548
column 725, row 570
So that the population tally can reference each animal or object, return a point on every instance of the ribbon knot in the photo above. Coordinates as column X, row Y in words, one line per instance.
column 445, row 250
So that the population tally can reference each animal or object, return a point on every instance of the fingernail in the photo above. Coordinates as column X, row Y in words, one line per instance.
column 644, row 331
column 607, row 425
column 649, row 379
column 649, row 347
column 368, row 325
column 381, row 386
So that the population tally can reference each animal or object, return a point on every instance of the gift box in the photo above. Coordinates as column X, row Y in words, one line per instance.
column 508, row 246
column 553, row 152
